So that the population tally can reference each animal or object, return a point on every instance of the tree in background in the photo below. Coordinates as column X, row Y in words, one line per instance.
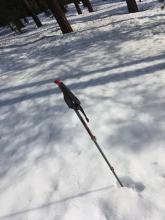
column 12, row 10
column 30, row 10
column 132, row 6
column 87, row 4
column 59, row 16
column 8, row 11
column 42, row 6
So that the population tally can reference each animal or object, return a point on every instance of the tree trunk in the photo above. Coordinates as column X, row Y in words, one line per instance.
column 59, row 16
column 62, row 5
column 87, row 4
column 76, row 3
column 30, row 11
column 132, row 6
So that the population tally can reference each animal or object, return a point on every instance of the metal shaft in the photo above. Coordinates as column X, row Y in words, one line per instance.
column 98, row 147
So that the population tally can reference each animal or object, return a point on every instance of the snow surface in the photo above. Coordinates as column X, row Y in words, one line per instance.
column 49, row 167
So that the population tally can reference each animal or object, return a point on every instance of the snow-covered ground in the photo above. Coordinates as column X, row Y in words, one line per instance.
column 49, row 167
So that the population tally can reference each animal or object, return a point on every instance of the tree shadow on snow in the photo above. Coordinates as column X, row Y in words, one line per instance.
column 31, row 119
column 54, row 203
column 110, row 78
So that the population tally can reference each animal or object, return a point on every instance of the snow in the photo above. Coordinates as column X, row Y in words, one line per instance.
column 115, row 63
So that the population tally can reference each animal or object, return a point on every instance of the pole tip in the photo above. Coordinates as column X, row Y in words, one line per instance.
column 58, row 82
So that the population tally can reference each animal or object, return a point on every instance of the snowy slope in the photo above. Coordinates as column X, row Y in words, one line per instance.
column 49, row 168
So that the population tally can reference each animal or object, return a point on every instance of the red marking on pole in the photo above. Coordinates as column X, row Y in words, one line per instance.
column 58, row 82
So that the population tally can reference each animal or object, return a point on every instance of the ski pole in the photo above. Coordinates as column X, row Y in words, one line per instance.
column 73, row 102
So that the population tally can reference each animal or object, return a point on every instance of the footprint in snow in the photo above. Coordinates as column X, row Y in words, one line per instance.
column 163, row 175
column 128, row 182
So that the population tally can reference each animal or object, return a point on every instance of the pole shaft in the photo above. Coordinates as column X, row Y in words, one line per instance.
column 111, row 167
column 98, row 147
